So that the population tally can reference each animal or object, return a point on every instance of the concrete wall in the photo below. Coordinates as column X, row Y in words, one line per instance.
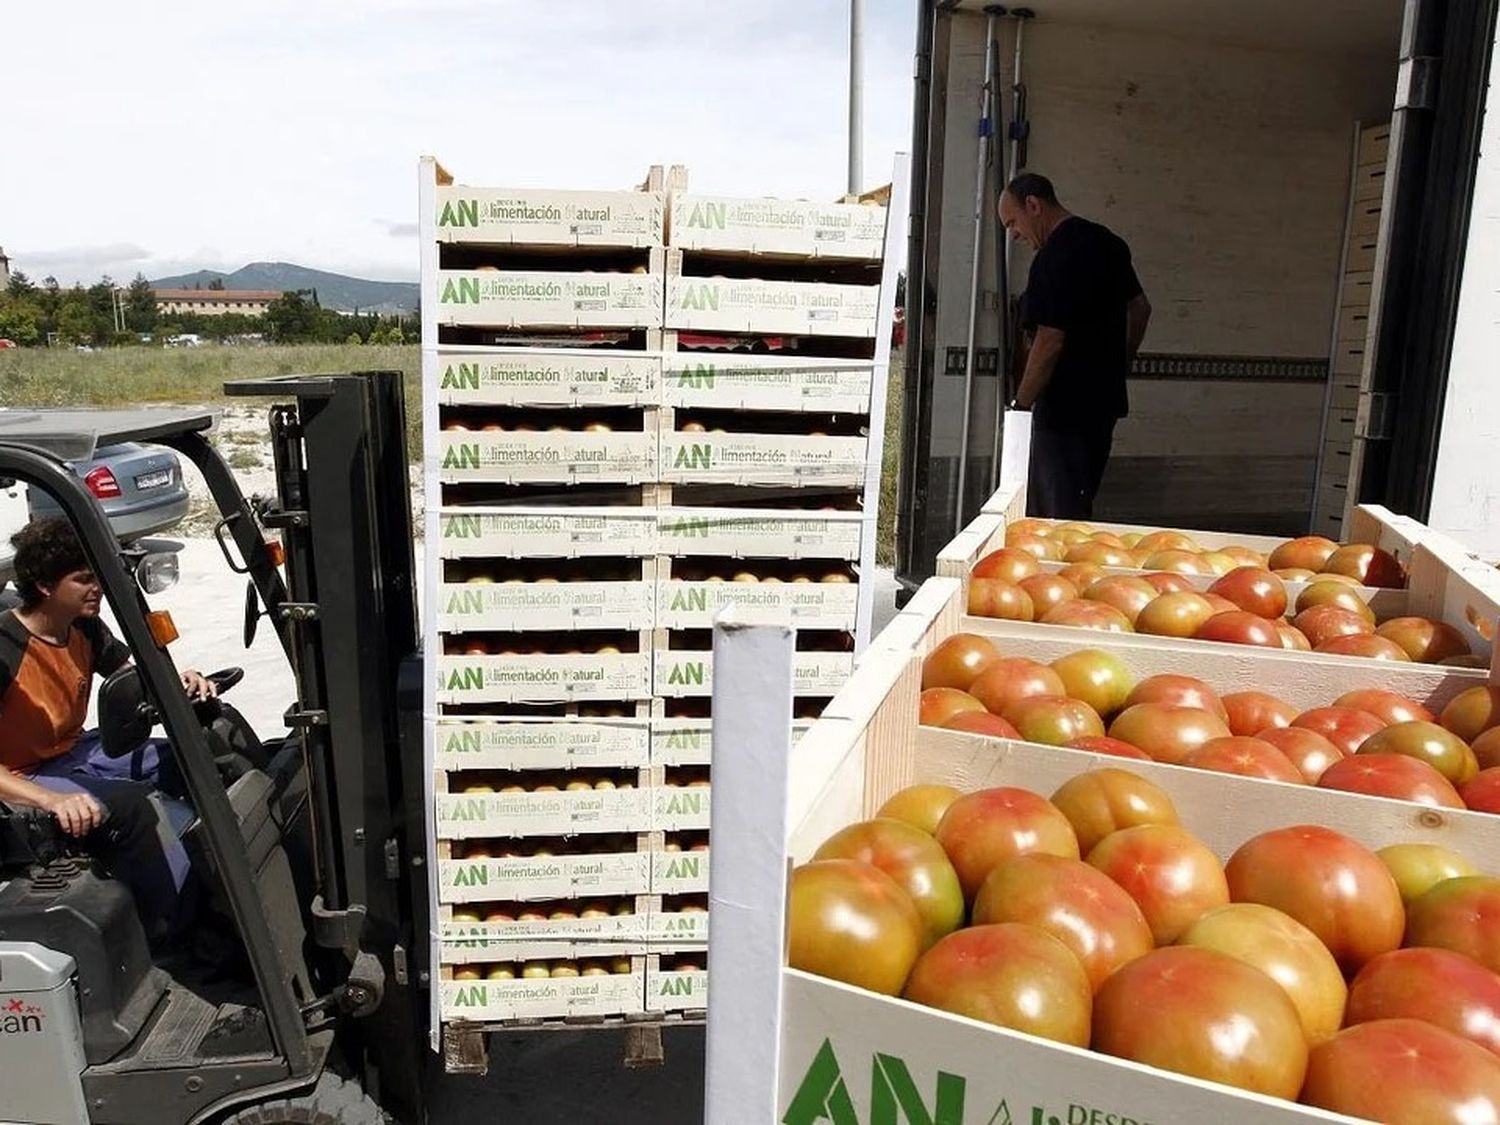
column 1227, row 170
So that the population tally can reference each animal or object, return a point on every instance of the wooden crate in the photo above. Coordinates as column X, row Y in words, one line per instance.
column 542, row 217
column 821, row 1037
column 777, row 228
column 571, row 377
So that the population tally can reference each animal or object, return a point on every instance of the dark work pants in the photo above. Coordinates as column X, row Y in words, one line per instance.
column 1067, row 466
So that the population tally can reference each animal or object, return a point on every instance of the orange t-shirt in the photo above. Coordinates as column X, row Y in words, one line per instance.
column 46, row 700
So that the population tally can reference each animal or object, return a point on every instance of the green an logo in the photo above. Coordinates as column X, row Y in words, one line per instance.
column 463, row 742
column 684, row 674
column 682, row 803
column 462, row 527
column 703, row 297
column 699, row 377
column 465, row 679
column 684, row 867
column 459, row 213
column 691, row 456
column 477, row 875
column 461, row 456
column 688, row 528
column 823, row 1097
column 461, row 377
column 677, row 986
column 471, row 996
column 460, row 291
column 708, row 216
column 690, row 600
column 465, row 602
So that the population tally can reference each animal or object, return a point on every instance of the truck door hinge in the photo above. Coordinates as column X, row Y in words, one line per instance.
column 297, row 611
column 1417, row 83
column 1379, row 417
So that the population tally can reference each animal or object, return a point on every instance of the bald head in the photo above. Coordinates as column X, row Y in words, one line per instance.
column 1029, row 209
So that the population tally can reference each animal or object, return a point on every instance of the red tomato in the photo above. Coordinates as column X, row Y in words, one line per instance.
column 1167, row 733
column 1008, row 564
column 1487, row 748
column 1032, row 544
column 1240, row 628
column 851, row 922
column 1392, row 775
column 1482, row 791
column 1165, row 582
column 1075, row 903
column 1247, row 757
column 1369, row 565
column 1388, row 706
column 1322, row 623
column 1292, row 638
column 1426, row 742
column 1417, row 868
column 1286, row 951
column 981, row 830
column 1428, row 642
column 1177, row 562
column 920, row 805
column 1048, row 591
column 1167, row 540
column 937, row 705
column 1172, row 1008
column 1345, row 727
column 1309, row 552
column 1084, row 614
column 1254, row 590
column 1053, row 720
column 999, row 599
column 955, row 661
column 1333, row 885
column 1308, row 750
column 1082, row 575
column 1127, row 594
column 1327, row 592
column 1404, row 1072
column 1010, row 975
column 1460, row 914
column 1112, row 746
column 1250, row 712
column 1170, row 873
column 1179, row 691
column 914, row 860
column 1472, row 712
column 1100, row 679
column 1369, row 647
column 1436, row 986
column 1100, row 554
column 1012, row 678
column 1176, row 614
column 1104, row 801
column 981, row 722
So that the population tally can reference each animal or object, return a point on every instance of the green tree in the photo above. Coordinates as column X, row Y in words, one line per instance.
column 291, row 319
column 217, row 284
column 20, row 321
column 140, row 306
column 75, row 320
column 353, row 339
column 21, row 286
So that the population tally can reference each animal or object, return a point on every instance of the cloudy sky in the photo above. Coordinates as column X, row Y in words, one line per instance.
column 167, row 136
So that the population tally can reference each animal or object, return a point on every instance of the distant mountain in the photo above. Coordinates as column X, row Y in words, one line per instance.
column 335, row 290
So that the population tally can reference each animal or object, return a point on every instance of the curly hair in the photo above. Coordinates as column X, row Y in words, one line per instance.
column 47, row 550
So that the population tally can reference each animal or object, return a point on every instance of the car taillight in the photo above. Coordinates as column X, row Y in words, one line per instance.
column 102, row 483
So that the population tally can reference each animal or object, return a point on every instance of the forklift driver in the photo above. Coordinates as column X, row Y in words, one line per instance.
column 51, row 646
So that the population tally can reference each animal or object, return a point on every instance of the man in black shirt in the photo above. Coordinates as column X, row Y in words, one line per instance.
column 1087, row 314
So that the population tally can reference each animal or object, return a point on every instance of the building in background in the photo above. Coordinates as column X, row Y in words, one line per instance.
column 215, row 302
column 4, row 269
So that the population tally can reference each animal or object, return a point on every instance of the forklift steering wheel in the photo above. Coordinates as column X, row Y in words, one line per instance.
column 225, row 678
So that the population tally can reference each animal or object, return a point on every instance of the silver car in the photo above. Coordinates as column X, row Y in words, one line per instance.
column 140, row 488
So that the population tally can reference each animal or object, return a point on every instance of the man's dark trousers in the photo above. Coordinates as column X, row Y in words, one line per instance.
column 1067, row 466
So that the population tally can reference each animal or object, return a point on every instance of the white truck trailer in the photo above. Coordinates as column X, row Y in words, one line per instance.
column 1314, row 212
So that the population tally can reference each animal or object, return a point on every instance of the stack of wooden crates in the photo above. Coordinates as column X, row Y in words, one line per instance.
column 639, row 407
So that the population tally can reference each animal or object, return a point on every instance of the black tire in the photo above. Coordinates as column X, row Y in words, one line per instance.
column 333, row 1101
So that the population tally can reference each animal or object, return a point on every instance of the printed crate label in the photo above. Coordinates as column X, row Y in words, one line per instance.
column 541, row 378
column 473, row 815
column 543, row 679
column 808, row 605
column 467, row 941
column 679, row 674
column 757, row 383
column 789, row 459
column 777, row 226
column 689, row 742
column 571, row 457
column 497, row 744
column 541, row 218
column 533, row 299
column 764, row 533
column 538, row 878
column 797, row 308
column 680, row 929
column 679, row 873
column 465, row 606
column 548, row 533
column 682, row 808
column 547, row 998
column 673, row 991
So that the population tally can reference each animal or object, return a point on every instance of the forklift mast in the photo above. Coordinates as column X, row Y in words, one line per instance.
column 346, row 615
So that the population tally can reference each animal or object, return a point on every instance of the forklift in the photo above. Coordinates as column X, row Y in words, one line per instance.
column 309, row 851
